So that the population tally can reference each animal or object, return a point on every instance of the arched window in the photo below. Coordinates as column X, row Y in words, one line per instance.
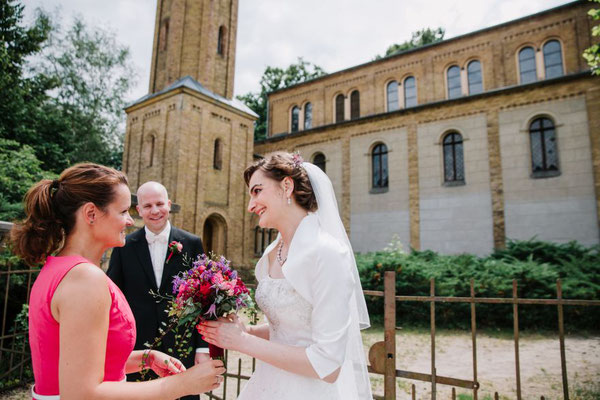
column 307, row 116
column 221, row 41
column 218, row 155
column 163, row 36
column 257, row 240
column 339, row 108
column 544, row 152
column 392, row 96
column 319, row 161
column 380, row 166
column 295, row 118
column 527, row 70
column 474, row 77
column 453, row 78
column 553, row 63
column 151, row 155
column 454, row 163
column 354, row 104
column 410, row 92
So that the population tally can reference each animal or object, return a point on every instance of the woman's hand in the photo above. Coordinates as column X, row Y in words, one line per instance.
column 203, row 377
column 228, row 333
column 163, row 364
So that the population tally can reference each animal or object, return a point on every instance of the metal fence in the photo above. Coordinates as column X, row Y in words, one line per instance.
column 382, row 355
column 15, row 359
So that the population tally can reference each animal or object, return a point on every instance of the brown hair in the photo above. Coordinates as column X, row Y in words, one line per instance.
column 280, row 165
column 50, row 207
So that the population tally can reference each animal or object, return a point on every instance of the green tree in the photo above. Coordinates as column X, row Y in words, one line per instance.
column 419, row 38
column 93, row 74
column 21, row 94
column 275, row 78
column 19, row 170
column 592, row 53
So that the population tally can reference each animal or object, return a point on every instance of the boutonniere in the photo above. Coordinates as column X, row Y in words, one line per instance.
column 175, row 247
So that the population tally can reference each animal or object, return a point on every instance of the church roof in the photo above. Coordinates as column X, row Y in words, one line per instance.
column 191, row 83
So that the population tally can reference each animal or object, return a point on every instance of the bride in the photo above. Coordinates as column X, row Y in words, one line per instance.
column 308, row 289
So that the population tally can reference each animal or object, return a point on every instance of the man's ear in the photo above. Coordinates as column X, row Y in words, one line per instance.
column 137, row 207
column 169, row 205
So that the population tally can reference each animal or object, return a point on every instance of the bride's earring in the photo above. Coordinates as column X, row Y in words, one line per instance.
column 289, row 201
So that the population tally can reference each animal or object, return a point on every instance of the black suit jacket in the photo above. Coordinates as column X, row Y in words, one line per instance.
column 131, row 269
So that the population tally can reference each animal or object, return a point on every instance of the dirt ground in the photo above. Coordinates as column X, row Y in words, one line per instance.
column 539, row 360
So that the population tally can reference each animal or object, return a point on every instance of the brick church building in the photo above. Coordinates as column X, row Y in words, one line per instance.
column 454, row 147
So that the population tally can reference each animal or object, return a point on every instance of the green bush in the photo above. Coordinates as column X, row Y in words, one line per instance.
column 535, row 265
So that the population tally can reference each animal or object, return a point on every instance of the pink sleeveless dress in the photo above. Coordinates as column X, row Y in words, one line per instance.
column 44, row 330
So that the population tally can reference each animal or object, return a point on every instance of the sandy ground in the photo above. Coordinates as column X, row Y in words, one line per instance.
column 539, row 356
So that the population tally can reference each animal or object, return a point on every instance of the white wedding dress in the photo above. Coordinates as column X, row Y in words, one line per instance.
column 289, row 318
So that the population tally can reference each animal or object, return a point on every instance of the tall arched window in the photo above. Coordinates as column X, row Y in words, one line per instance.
column 379, row 158
column 151, row 151
column 453, row 78
column 410, row 92
column 221, row 41
column 307, row 116
column 544, row 152
column 553, row 63
column 319, row 161
column 339, row 108
column 354, row 104
column 454, row 163
column 527, row 70
column 474, row 77
column 218, row 155
column 295, row 118
column 392, row 96
column 258, row 234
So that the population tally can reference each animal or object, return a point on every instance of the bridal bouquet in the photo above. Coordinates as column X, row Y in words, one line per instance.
column 208, row 290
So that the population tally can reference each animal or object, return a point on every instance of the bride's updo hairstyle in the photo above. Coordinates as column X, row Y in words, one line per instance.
column 50, row 207
column 280, row 165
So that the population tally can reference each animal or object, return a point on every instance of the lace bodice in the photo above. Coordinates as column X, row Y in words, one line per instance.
column 289, row 314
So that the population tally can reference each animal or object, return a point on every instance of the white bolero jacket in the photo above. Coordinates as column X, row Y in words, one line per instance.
column 318, row 268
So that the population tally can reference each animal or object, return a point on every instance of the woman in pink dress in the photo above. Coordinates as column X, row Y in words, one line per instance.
column 81, row 329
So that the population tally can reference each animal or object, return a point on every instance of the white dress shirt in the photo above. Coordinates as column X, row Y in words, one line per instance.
column 158, row 245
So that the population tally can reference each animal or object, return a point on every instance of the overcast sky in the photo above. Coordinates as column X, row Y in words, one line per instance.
column 334, row 34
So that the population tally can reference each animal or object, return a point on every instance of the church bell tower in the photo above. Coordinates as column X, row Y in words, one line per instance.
column 188, row 132
column 195, row 38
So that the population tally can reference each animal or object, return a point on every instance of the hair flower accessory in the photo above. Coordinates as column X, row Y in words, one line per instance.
column 297, row 160
column 175, row 247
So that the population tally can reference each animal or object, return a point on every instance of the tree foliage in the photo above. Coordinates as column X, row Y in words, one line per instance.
column 62, row 91
column 275, row 78
column 19, row 170
column 592, row 53
column 419, row 38
column 93, row 75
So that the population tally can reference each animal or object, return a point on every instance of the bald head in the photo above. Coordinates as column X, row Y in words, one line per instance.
column 153, row 206
column 151, row 186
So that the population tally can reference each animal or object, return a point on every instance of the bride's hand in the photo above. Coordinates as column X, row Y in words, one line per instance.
column 227, row 333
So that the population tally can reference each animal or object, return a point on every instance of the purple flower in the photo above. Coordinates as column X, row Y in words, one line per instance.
column 212, row 310
column 177, row 281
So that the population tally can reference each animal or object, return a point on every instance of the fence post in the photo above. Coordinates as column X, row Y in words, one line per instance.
column 389, row 301
column 516, row 336
column 432, row 322
column 561, row 337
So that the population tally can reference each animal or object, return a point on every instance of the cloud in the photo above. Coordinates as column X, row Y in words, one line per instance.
column 334, row 34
